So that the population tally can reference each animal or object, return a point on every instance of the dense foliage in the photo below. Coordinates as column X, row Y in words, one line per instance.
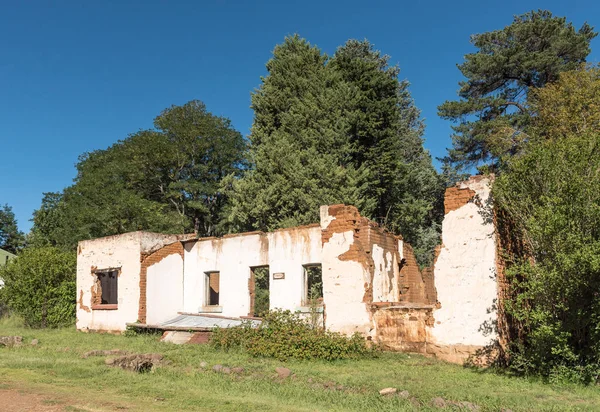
column 337, row 130
column 165, row 180
column 39, row 286
column 549, row 208
column 11, row 238
column 492, row 114
column 285, row 335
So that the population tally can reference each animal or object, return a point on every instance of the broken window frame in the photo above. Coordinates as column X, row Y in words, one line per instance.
column 104, row 299
column 307, row 300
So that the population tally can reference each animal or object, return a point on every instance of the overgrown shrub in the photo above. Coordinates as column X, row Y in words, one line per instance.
column 285, row 335
column 40, row 286
column 549, row 209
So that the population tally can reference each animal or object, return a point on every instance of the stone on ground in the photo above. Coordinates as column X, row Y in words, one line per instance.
column 11, row 341
column 176, row 337
column 137, row 362
column 111, row 352
column 283, row 373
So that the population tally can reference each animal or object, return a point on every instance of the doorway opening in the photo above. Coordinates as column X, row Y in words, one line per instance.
column 258, row 286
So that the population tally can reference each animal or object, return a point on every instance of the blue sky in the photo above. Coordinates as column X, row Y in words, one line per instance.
column 78, row 76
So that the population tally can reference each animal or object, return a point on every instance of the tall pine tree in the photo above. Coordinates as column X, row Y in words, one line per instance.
column 298, row 146
column 491, row 114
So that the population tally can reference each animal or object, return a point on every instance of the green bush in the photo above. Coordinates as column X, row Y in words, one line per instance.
column 285, row 335
column 549, row 218
column 40, row 286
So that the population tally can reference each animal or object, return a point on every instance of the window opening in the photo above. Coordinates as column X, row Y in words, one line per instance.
column 313, row 285
column 212, row 288
column 108, row 280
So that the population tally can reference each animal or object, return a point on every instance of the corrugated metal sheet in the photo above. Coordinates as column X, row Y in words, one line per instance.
column 208, row 322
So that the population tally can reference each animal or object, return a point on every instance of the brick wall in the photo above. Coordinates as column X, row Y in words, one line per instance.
column 402, row 328
column 414, row 288
column 457, row 197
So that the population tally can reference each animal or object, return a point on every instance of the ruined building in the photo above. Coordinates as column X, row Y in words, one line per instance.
column 355, row 275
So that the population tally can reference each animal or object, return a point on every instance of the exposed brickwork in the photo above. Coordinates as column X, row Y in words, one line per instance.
column 429, row 280
column 80, row 301
column 346, row 218
column 456, row 198
column 403, row 328
column 148, row 260
column 509, row 245
column 200, row 338
column 412, row 284
column 413, row 288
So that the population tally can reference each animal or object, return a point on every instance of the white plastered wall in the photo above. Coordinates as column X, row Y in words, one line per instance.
column 289, row 251
column 386, row 273
column 284, row 251
column 232, row 257
column 164, row 289
column 465, row 272
column 343, row 284
column 119, row 251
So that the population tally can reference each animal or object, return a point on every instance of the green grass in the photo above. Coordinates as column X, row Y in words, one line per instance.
column 55, row 368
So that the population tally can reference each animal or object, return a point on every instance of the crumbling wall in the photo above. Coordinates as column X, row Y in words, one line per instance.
column 347, row 271
column 118, row 252
column 402, row 327
column 364, row 266
column 465, row 273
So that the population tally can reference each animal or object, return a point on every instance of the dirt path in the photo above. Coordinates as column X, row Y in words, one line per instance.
column 20, row 400
column 17, row 401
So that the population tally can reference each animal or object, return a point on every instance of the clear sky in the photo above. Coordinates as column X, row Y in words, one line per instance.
column 80, row 75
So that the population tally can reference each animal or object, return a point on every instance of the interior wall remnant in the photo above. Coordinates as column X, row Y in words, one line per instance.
column 161, row 284
column 465, row 272
column 358, row 252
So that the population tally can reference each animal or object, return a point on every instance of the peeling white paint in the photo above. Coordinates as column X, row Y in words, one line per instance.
column 344, row 288
column 119, row 251
column 465, row 272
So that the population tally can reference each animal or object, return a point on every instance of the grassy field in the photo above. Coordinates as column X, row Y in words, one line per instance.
column 55, row 373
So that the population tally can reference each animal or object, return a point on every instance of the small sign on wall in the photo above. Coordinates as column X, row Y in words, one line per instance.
column 278, row 275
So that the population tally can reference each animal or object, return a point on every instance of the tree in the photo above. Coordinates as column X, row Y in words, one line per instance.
column 547, row 207
column 298, row 147
column 40, row 286
column 164, row 180
column 202, row 150
column 549, row 199
column 11, row 238
column 492, row 113
column 570, row 106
